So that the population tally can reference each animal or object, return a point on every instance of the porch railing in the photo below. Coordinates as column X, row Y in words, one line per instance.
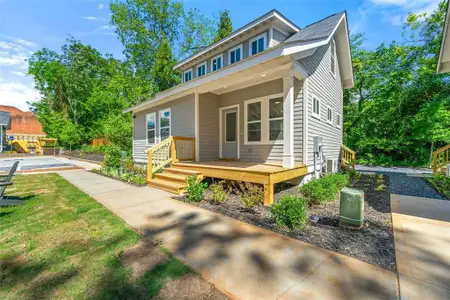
column 172, row 149
column 441, row 159
column 348, row 157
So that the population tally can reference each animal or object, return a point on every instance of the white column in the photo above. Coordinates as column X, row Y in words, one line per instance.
column 288, row 120
column 197, row 126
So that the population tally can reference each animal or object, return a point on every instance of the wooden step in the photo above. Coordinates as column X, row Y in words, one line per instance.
column 181, row 171
column 171, row 176
column 166, row 185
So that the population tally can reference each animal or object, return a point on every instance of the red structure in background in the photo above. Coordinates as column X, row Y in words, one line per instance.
column 22, row 122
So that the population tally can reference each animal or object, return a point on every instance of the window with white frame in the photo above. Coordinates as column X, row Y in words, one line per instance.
column 151, row 127
column 333, row 57
column 316, row 107
column 235, row 54
column 264, row 120
column 201, row 69
column 164, row 124
column 338, row 120
column 216, row 63
column 257, row 44
column 329, row 115
column 187, row 75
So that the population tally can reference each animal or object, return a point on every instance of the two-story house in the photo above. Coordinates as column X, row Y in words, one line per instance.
column 263, row 105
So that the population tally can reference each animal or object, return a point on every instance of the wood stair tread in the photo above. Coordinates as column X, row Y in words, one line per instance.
column 181, row 171
column 170, row 186
column 171, row 176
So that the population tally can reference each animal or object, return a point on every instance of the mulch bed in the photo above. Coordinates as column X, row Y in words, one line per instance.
column 373, row 243
column 85, row 155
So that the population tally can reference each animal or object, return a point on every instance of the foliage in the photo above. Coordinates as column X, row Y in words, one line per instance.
column 250, row 194
column 195, row 188
column 112, row 157
column 290, row 212
column 399, row 109
column 118, row 129
column 225, row 27
column 220, row 191
column 441, row 183
column 323, row 190
column 93, row 148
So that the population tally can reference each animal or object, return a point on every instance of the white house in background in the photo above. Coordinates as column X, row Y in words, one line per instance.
column 444, row 55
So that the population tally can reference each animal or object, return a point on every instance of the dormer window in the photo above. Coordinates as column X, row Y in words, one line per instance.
column 235, row 54
column 216, row 63
column 187, row 75
column 258, row 44
column 201, row 69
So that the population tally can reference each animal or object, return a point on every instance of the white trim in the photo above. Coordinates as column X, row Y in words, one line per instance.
column 305, row 121
column 170, row 121
column 288, row 120
column 240, row 46
column 186, row 71
column 270, row 37
column 445, row 36
column 282, row 31
column 197, row 125
column 146, row 128
column 314, row 114
column 333, row 57
column 201, row 65
column 221, row 62
column 256, row 38
column 221, row 109
column 329, row 109
column 265, row 135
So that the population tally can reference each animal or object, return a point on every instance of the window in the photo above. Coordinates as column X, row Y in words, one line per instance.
column 316, row 107
column 276, row 119
column 254, row 114
column 230, row 127
column 216, row 63
column 164, row 124
column 201, row 69
column 235, row 54
column 329, row 115
column 187, row 75
column 333, row 57
column 338, row 121
column 257, row 44
column 151, row 127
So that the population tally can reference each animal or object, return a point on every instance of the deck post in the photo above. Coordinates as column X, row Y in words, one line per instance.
column 288, row 120
column 149, row 166
column 197, row 125
column 268, row 194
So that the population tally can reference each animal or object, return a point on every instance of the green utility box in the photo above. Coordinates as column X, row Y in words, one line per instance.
column 351, row 208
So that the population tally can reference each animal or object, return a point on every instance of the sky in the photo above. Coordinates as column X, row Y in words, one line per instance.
column 29, row 25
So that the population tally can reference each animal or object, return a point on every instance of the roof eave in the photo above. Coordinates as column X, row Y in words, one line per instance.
column 445, row 37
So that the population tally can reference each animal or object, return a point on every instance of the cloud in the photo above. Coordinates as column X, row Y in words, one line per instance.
column 359, row 20
column 102, row 30
column 14, row 51
column 17, row 94
column 101, row 6
column 92, row 18
column 22, row 74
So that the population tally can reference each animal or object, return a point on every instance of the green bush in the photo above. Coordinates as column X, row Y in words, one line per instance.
column 138, row 179
column 195, row 188
column 250, row 194
column 219, row 192
column 112, row 157
column 323, row 190
column 290, row 212
column 441, row 184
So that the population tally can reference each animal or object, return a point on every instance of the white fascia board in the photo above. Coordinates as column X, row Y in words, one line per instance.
column 445, row 37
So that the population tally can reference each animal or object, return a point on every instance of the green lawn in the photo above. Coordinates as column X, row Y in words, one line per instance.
column 63, row 244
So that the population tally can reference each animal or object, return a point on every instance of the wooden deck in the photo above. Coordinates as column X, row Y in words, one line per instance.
column 266, row 174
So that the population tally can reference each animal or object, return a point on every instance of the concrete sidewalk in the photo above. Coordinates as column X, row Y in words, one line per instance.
column 244, row 261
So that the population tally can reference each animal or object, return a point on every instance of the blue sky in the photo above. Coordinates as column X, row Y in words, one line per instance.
column 28, row 25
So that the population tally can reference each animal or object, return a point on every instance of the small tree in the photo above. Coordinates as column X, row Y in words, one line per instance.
column 225, row 26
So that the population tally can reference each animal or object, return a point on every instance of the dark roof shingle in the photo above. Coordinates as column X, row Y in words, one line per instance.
column 5, row 119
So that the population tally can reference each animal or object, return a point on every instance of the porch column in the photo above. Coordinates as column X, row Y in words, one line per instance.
column 288, row 120
column 197, row 126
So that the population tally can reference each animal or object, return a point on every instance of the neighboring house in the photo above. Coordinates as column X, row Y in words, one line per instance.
column 5, row 124
column 262, row 95
column 444, row 55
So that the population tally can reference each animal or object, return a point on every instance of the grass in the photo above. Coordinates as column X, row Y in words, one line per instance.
column 62, row 244
column 441, row 184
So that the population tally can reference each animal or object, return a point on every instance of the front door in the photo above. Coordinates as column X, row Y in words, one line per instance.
column 230, row 133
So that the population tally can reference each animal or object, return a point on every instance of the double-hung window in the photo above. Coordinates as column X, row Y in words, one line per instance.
column 316, row 107
column 164, row 124
column 187, row 75
column 201, row 69
column 235, row 54
column 151, row 127
column 254, row 121
column 258, row 44
column 329, row 115
column 216, row 63
column 276, row 119
column 333, row 57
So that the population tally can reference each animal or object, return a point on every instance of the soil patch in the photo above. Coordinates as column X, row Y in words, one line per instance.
column 374, row 243
column 85, row 155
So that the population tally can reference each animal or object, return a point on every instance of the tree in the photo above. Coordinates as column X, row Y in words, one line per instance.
column 225, row 27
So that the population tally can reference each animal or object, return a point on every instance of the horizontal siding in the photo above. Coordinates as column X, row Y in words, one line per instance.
column 278, row 37
column 298, row 120
column 209, row 127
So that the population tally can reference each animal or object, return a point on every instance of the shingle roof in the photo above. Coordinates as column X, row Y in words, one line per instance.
column 318, row 30
column 5, row 119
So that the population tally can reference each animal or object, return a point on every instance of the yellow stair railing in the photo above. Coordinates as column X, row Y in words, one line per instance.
column 348, row 157
column 441, row 159
column 173, row 149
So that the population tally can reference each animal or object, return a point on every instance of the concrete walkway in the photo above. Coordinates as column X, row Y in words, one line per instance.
column 422, row 246
column 244, row 261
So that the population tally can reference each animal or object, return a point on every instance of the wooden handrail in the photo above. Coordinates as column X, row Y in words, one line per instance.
column 441, row 158
column 348, row 157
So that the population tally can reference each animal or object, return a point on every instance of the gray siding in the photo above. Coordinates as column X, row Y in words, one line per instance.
column 329, row 90
column 298, row 120
column 208, row 127
column 182, row 118
column 278, row 37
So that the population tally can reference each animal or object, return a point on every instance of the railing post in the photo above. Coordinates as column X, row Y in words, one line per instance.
column 434, row 163
column 173, row 150
column 149, row 166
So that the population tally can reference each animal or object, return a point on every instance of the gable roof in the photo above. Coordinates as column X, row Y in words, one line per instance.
column 443, row 65
column 5, row 119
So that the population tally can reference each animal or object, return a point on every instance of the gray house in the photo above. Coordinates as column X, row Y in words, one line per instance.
column 263, row 105
column 5, row 123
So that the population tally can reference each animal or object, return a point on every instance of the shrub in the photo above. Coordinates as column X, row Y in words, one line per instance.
column 138, row 179
column 219, row 192
column 290, row 212
column 250, row 194
column 195, row 188
column 441, row 184
column 323, row 190
column 112, row 157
